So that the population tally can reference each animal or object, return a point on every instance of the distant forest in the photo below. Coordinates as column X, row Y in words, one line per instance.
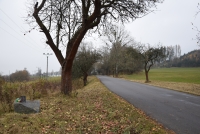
column 191, row 59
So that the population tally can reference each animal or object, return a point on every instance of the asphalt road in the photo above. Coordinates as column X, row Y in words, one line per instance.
column 177, row 111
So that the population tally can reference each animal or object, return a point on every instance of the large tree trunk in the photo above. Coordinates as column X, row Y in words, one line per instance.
column 66, row 80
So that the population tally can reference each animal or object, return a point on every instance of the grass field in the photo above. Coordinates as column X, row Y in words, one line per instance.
column 180, row 79
column 185, row 75
column 94, row 110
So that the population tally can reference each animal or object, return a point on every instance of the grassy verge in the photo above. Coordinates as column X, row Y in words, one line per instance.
column 94, row 110
column 180, row 79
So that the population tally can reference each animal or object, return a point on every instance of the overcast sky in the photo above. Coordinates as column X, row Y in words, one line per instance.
column 170, row 24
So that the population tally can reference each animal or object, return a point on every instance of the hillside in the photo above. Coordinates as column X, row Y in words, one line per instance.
column 191, row 59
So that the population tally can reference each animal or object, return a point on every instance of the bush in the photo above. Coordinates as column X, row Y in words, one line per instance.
column 32, row 90
column 20, row 76
column 7, row 94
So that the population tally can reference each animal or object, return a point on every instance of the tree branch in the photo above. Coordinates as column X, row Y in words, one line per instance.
column 47, row 34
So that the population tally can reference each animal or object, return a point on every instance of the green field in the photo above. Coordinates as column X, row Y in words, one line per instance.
column 185, row 75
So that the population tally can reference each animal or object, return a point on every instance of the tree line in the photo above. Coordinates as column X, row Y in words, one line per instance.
column 24, row 75
column 18, row 75
column 121, row 54
column 191, row 59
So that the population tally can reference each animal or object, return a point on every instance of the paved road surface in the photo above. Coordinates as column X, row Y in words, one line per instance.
column 177, row 111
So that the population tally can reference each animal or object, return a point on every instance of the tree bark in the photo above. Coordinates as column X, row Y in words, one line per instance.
column 146, row 72
column 147, row 76
column 66, row 81
column 116, row 72
column 85, row 79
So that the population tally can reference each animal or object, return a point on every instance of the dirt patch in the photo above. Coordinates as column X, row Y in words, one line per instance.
column 178, row 86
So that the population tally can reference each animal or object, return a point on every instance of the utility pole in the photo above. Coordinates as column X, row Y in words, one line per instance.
column 47, row 54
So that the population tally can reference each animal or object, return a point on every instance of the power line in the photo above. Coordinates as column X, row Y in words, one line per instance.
column 9, row 18
column 15, row 31
column 19, row 39
column 17, row 26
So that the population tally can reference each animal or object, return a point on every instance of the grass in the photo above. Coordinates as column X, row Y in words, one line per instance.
column 185, row 75
column 181, row 79
column 94, row 110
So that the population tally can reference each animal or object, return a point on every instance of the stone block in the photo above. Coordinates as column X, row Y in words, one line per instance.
column 27, row 107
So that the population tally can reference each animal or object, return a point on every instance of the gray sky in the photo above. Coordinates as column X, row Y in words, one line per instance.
column 170, row 25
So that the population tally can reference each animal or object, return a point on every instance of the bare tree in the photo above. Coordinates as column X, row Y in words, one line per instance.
column 150, row 55
column 177, row 51
column 119, row 59
column 196, row 28
column 117, row 38
column 170, row 53
column 85, row 58
column 104, row 63
column 66, row 22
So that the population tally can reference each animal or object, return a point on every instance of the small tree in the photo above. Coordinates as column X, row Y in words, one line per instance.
column 133, row 60
column 84, row 60
column 149, row 56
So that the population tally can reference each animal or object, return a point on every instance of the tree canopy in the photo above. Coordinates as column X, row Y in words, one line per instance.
column 85, row 58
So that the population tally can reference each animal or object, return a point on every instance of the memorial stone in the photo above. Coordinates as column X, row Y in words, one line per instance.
column 21, row 105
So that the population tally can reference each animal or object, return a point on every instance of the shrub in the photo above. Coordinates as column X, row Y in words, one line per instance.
column 8, row 92
column 32, row 90
column 21, row 76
